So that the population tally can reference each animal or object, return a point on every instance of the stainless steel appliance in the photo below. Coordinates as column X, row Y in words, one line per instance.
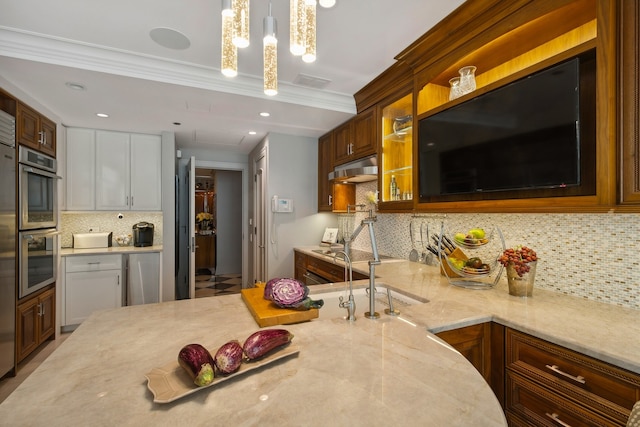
column 7, row 242
column 37, row 184
column 143, row 234
column 37, row 259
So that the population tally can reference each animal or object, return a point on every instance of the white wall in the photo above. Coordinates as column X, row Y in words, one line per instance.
column 292, row 174
column 228, row 222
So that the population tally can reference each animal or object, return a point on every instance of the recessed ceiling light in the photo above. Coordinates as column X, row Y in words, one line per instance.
column 252, row 132
column 103, row 115
column 265, row 114
column 327, row 3
column 74, row 86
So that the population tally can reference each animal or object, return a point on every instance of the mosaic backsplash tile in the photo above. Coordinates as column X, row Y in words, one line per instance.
column 592, row 256
column 81, row 222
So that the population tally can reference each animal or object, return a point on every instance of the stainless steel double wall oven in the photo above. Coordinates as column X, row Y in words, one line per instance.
column 37, row 220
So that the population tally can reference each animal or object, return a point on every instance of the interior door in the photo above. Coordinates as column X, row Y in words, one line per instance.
column 191, row 232
column 260, row 249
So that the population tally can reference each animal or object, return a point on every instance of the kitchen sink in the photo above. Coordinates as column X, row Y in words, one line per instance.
column 331, row 308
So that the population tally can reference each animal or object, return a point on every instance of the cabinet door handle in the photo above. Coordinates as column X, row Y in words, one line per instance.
column 555, row 368
column 41, row 139
column 330, row 200
column 555, row 417
column 131, row 201
column 40, row 312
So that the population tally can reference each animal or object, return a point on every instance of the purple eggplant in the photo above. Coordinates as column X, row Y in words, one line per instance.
column 228, row 357
column 263, row 341
column 197, row 361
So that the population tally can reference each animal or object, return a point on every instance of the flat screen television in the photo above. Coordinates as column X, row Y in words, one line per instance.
column 533, row 137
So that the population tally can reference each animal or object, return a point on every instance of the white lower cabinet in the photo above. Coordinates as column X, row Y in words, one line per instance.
column 92, row 282
column 143, row 278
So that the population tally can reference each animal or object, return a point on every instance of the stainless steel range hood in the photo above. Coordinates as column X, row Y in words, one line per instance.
column 362, row 170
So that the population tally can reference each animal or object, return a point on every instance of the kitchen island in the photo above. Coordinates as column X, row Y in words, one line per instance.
column 382, row 372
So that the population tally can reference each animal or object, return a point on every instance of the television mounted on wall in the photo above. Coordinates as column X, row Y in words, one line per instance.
column 533, row 137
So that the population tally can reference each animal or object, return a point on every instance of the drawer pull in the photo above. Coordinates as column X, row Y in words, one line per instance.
column 555, row 417
column 580, row 379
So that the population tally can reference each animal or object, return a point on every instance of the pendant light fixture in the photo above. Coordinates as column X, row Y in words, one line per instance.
column 229, row 60
column 310, row 31
column 297, row 27
column 241, row 23
column 270, row 54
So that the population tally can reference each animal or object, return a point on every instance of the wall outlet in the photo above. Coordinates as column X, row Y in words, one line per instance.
column 93, row 229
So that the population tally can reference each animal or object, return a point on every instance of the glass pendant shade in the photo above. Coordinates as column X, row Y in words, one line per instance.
column 297, row 26
column 270, row 56
column 310, row 31
column 241, row 23
column 229, row 59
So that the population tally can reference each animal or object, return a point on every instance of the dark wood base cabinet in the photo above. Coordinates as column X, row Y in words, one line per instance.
column 550, row 385
column 36, row 319
column 483, row 346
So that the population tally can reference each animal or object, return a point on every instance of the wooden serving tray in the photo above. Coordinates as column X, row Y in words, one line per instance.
column 266, row 313
column 171, row 382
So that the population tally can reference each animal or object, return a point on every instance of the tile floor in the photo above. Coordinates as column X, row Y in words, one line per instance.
column 209, row 285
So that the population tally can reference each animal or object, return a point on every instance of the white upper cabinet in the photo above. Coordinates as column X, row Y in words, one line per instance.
column 113, row 171
column 80, row 178
column 146, row 172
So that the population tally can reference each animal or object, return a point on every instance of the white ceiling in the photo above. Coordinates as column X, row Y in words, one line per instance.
column 144, row 87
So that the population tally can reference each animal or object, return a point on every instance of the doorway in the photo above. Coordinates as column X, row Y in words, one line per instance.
column 218, row 250
column 221, row 199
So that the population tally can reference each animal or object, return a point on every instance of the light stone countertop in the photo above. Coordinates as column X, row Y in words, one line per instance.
column 111, row 250
column 369, row 372
column 604, row 331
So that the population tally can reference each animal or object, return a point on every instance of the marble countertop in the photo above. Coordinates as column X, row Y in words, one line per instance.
column 600, row 330
column 110, row 250
column 367, row 372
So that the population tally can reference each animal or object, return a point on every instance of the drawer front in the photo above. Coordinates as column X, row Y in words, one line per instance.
column 609, row 390
column 330, row 271
column 540, row 407
column 78, row 263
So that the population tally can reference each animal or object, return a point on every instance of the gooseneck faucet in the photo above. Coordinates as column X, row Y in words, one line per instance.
column 350, row 304
column 368, row 222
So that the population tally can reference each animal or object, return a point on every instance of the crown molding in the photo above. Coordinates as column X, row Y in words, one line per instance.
column 37, row 47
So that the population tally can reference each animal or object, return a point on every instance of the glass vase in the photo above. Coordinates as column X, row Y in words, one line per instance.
column 454, row 92
column 467, row 79
column 521, row 286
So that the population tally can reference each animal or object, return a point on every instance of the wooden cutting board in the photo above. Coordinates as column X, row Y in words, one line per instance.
column 266, row 313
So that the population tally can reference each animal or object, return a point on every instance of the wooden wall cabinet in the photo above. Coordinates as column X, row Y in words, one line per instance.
column 356, row 138
column 332, row 196
column 34, row 130
column 396, row 154
column 35, row 323
column 629, row 100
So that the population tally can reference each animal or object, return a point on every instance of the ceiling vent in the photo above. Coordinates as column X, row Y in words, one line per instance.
column 311, row 81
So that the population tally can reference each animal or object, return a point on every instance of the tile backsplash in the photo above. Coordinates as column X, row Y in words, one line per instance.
column 592, row 256
column 82, row 222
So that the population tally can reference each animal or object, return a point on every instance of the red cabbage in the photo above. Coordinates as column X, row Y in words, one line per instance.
column 290, row 293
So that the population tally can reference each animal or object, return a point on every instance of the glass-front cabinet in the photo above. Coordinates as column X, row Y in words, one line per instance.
column 396, row 155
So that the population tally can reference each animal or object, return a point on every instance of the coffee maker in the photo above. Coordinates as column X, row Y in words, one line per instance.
column 143, row 234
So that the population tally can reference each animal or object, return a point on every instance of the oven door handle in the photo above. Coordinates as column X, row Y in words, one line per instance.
column 40, row 172
column 29, row 236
